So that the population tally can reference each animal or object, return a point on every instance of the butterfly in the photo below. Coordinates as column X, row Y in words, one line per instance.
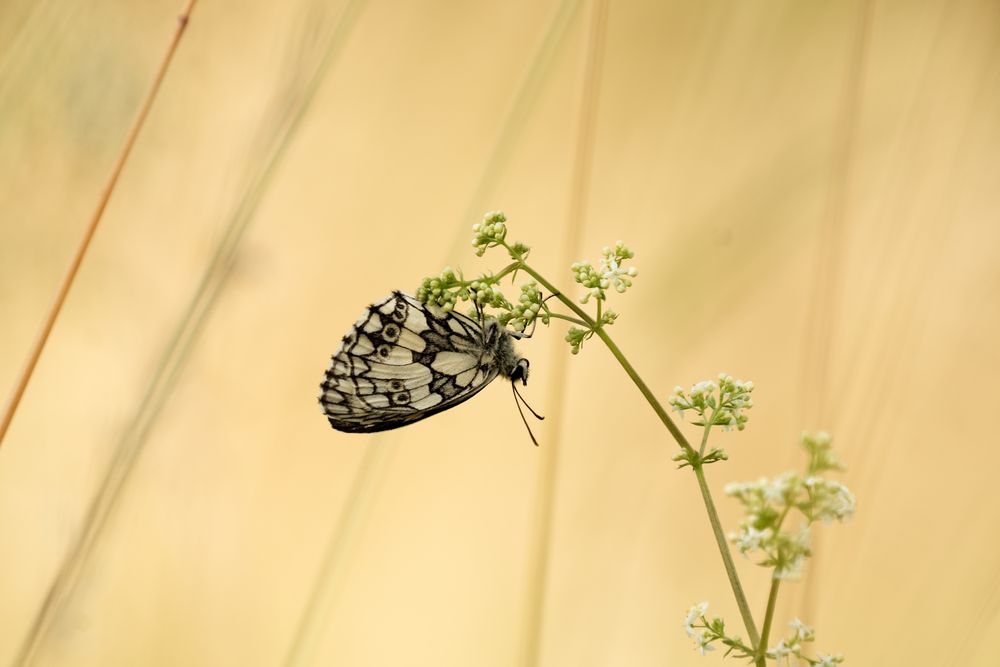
column 404, row 361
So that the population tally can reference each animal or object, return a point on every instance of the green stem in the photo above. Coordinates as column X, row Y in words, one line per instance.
column 727, row 561
column 704, row 435
column 513, row 266
column 589, row 321
column 560, row 316
column 706, row 494
column 772, row 598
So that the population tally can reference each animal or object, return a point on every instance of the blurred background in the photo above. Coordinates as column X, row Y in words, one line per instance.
column 811, row 190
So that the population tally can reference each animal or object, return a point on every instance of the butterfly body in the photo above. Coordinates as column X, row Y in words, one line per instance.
column 404, row 361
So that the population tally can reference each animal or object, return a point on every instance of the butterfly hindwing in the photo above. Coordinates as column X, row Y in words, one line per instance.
column 403, row 361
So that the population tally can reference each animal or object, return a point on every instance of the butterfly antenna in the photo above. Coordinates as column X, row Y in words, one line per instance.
column 518, row 394
column 523, row 418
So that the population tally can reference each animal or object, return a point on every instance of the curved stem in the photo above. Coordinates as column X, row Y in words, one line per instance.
column 706, row 494
column 589, row 321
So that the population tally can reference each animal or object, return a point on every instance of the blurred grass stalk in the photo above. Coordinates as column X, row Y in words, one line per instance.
column 824, row 308
column 317, row 46
column 35, row 353
column 541, row 540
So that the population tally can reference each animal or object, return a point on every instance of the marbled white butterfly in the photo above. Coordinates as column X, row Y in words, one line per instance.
column 404, row 360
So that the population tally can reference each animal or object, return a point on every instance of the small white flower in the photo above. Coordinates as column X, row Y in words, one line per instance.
column 693, row 614
column 750, row 538
column 782, row 650
column 614, row 275
column 776, row 490
column 805, row 632
column 702, row 644
column 831, row 499
column 702, row 388
column 791, row 568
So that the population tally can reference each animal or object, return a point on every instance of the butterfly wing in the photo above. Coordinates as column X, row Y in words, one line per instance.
column 404, row 361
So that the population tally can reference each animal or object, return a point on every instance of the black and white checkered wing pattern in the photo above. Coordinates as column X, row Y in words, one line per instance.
column 404, row 361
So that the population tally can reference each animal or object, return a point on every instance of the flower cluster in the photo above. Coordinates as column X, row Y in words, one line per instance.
column 612, row 273
column 447, row 288
column 443, row 290
column 792, row 647
column 530, row 306
column 483, row 293
column 575, row 336
column 719, row 404
column 768, row 502
column 490, row 232
column 612, row 269
column 821, row 456
column 706, row 631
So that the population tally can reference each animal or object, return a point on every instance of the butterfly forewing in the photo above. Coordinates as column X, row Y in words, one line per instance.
column 404, row 361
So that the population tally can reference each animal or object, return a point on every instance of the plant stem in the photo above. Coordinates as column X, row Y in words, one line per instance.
column 704, row 435
column 706, row 494
column 646, row 391
column 510, row 268
column 727, row 560
column 559, row 316
column 772, row 598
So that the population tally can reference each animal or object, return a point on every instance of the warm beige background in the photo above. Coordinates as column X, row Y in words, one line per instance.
column 811, row 188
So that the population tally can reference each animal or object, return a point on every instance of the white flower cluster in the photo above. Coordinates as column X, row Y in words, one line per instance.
column 490, row 232
column 442, row 290
column 716, row 404
column 611, row 275
column 792, row 646
column 821, row 456
column 701, row 637
column 528, row 308
column 788, row 651
column 768, row 502
column 612, row 270
column 705, row 632
column 447, row 288
column 828, row 500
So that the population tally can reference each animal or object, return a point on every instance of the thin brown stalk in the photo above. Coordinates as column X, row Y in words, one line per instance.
column 50, row 319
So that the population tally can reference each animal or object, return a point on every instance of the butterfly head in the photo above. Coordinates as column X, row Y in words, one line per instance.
column 520, row 371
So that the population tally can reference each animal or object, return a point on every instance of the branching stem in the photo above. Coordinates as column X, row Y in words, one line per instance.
column 560, row 316
column 706, row 494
